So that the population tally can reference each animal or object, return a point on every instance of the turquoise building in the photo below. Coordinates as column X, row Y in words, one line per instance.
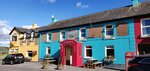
column 102, row 34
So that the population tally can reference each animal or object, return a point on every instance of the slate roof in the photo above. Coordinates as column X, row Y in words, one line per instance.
column 109, row 15
column 28, row 31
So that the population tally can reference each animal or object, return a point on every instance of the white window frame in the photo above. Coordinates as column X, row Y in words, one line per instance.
column 48, row 37
column 32, row 36
column 142, row 35
column 47, row 50
column 61, row 36
column 109, row 36
column 80, row 34
column 24, row 36
column 85, row 52
column 106, row 47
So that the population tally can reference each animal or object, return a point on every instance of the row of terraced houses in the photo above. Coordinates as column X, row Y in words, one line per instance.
column 108, row 33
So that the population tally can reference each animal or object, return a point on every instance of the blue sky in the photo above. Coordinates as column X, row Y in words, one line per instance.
column 26, row 12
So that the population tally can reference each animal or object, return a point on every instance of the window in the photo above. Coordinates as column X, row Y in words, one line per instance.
column 109, row 51
column 32, row 36
column 48, row 51
column 145, row 27
column 88, row 51
column 30, row 53
column 145, row 61
column 24, row 36
column 14, row 38
column 82, row 33
column 62, row 35
column 109, row 30
column 48, row 37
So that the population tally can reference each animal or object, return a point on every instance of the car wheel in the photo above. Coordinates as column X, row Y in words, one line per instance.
column 11, row 62
column 22, row 62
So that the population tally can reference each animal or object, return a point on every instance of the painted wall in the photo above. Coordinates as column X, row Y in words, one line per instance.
column 32, row 47
column 14, row 44
column 137, row 29
column 121, row 44
column 54, row 46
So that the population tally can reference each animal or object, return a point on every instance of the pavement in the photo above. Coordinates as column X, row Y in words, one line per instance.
column 33, row 66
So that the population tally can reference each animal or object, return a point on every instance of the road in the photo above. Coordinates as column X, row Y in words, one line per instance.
column 32, row 66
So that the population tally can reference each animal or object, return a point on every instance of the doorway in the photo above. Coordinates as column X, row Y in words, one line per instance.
column 68, row 55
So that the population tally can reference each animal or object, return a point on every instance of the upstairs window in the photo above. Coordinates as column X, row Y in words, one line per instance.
column 14, row 38
column 48, row 37
column 32, row 36
column 62, row 35
column 24, row 36
column 82, row 33
column 145, row 27
column 109, row 30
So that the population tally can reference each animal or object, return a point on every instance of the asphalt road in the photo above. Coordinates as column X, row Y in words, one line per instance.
column 31, row 66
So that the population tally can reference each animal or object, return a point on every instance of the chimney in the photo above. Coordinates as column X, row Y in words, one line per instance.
column 54, row 19
column 135, row 2
column 34, row 26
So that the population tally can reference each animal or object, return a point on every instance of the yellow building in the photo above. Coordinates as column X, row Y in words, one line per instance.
column 25, row 41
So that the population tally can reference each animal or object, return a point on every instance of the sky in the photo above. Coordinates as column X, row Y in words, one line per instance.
column 24, row 13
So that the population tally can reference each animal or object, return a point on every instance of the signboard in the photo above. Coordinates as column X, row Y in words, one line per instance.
column 73, row 34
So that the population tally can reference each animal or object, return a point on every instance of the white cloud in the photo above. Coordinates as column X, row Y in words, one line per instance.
column 80, row 5
column 4, row 33
column 27, row 26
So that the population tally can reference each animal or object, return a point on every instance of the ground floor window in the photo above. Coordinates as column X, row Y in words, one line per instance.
column 109, row 51
column 30, row 53
column 88, row 51
column 48, row 50
column 144, row 49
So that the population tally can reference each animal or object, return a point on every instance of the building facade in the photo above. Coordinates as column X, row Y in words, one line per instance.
column 142, row 34
column 25, row 41
column 98, row 35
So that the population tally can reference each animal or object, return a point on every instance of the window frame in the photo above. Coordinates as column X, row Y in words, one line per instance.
column 80, row 34
column 142, row 35
column 106, row 30
column 106, row 48
column 24, row 36
column 32, row 36
column 61, row 36
column 85, row 50
column 48, row 37
column 14, row 36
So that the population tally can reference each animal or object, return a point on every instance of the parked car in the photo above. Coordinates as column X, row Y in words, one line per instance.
column 13, row 58
column 140, row 63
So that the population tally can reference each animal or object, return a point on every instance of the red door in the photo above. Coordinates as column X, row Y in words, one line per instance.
column 76, row 51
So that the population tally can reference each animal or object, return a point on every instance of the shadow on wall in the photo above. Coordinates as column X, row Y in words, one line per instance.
column 56, row 54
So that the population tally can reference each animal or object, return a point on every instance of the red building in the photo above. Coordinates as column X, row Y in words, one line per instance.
column 142, row 34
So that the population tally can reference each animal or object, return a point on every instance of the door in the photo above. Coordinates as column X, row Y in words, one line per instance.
column 68, row 55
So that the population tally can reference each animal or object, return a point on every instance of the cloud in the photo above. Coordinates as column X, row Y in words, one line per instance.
column 4, row 32
column 80, row 5
column 29, row 26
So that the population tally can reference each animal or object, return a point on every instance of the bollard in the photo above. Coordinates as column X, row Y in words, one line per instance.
column 128, row 56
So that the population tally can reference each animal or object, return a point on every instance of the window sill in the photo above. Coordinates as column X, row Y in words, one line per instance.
column 109, row 37
column 147, row 36
column 83, row 39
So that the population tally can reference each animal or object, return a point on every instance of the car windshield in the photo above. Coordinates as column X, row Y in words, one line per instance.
column 9, row 56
